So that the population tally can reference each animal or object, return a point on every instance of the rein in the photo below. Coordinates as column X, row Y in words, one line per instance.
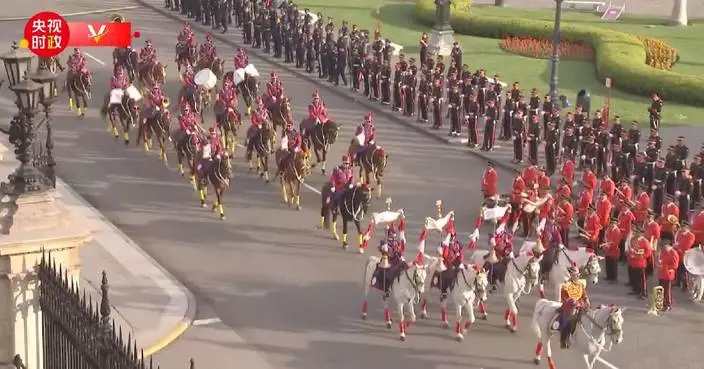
column 356, row 214
column 522, row 274
column 603, row 331
column 414, row 285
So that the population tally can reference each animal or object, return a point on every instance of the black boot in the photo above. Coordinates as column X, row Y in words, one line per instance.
column 564, row 338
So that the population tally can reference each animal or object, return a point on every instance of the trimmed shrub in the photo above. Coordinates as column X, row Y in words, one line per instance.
column 542, row 49
column 619, row 56
column 658, row 53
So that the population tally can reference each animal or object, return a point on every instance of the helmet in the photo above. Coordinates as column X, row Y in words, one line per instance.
column 240, row 50
column 273, row 74
column 185, row 106
column 316, row 94
column 148, row 42
column 156, row 88
column 346, row 159
column 186, row 25
column 260, row 101
column 213, row 130
column 76, row 51
column 368, row 117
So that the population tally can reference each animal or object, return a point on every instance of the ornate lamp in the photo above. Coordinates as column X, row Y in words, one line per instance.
column 27, row 93
column 17, row 63
column 48, row 81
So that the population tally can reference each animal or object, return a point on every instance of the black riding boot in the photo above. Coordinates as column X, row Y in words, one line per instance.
column 564, row 337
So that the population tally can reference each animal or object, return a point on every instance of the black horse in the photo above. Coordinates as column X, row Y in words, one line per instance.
column 78, row 86
column 185, row 55
column 155, row 124
column 217, row 173
column 352, row 205
column 261, row 142
column 126, row 58
column 127, row 112
column 187, row 149
column 248, row 89
column 196, row 99
column 229, row 121
column 319, row 137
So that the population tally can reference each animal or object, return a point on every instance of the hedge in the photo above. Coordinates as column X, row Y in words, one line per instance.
column 620, row 56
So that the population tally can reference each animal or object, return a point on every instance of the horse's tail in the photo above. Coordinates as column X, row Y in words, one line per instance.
column 104, row 112
column 325, row 207
column 369, row 268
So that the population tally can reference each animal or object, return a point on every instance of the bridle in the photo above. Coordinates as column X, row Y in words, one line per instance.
column 610, row 329
column 358, row 213
column 527, row 273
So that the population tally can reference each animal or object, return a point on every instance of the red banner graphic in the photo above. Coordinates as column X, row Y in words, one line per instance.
column 87, row 34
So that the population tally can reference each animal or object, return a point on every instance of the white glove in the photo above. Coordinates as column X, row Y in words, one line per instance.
column 562, row 246
column 188, row 131
column 501, row 228
column 156, row 108
column 332, row 189
column 475, row 235
column 461, row 267
column 296, row 149
column 218, row 157
column 350, row 186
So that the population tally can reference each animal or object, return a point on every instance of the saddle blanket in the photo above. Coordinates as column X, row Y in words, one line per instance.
column 133, row 93
column 116, row 96
column 495, row 213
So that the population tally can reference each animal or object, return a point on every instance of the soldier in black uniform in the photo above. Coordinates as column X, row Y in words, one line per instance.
column 584, row 131
column 306, row 54
column 516, row 91
column 552, row 144
column 341, row 63
column 556, row 118
column 570, row 145
column 682, row 154
column 471, row 109
column 409, row 85
column 696, row 170
column 588, row 153
column 510, row 108
column 332, row 61
column 616, row 131
column 207, row 12
column 482, row 90
column 640, row 173
column 602, row 156
column 685, row 185
column 423, row 43
column 356, row 70
column 287, row 34
column 569, row 122
column 424, row 91
column 518, row 129
column 440, row 64
column 266, row 32
column 534, row 132
column 491, row 116
column 671, row 163
column 385, row 79
column 437, row 100
column 397, row 87
column 324, row 60
column 366, row 74
column 387, row 50
column 247, row 25
column 580, row 116
column 598, row 121
column 655, row 137
column 534, row 106
column 375, row 80
column 619, row 164
column 655, row 111
column 634, row 137
column 257, row 34
column 466, row 92
column 658, row 187
column 547, row 109
column 378, row 46
column 456, row 53
column 277, row 36
column 454, row 102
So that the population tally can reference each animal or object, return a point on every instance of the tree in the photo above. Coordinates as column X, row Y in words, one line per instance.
column 679, row 13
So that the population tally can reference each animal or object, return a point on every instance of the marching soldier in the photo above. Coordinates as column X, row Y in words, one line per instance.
column 602, row 155
column 424, row 49
column 424, row 91
column 616, row 131
column 356, row 64
column 669, row 262
column 625, row 219
column 533, row 139
column 589, row 151
column 639, row 251
column 696, row 170
column 569, row 121
column 619, row 164
column 548, row 111
column 569, row 145
column 655, row 137
column 454, row 111
column 658, row 186
column 410, row 87
column 655, row 112
column 598, row 121
column 375, row 79
column 671, row 162
column 534, row 106
column 612, row 251
column 472, row 119
column 510, row 107
column 437, row 100
column 634, row 137
column 456, row 53
column 683, row 194
column 466, row 92
column 584, row 131
column 652, row 232
column 580, row 116
column 684, row 240
column 398, row 87
column 491, row 115
column 518, row 127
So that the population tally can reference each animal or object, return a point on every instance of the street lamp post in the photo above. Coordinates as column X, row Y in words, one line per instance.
column 555, row 60
column 47, row 95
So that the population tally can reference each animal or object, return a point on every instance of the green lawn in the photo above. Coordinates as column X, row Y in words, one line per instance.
column 397, row 23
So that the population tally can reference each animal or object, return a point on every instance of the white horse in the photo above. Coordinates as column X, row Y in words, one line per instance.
column 470, row 286
column 405, row 292
column 596, row 332
column 587, row 262
column 522, row 274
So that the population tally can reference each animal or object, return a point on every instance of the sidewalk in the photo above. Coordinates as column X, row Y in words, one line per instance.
column 147, row 302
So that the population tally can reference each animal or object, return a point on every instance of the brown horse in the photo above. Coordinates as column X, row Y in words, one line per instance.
column 280, row 113
column 248, row 89
column 155, row 124
column 295, row 171
column 261, row 142
column 127, row 112
column 229, row 121
column 150, row 75
column 79, row 85
column 319, row 137
column 187, row 150
column 216, row 172
column 372, row 161
column 185, row 55
column 196, row 98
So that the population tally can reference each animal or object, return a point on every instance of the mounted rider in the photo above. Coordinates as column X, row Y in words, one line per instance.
column 366, row 128
column 188, row 121
column 452, row 261
column 274, row 89
column 119, row 80
column 228, row 95
column 207, row 50
column 392, row 262
column 76, row 63
column 500, row 253
column 259, row 116
column 341, row 179
column 241, row 59
column 186, row 36
column 189, row 76
column 155, row 99
column 575, row 301
column 147, row 56
column 293, row 142
column 317, row 110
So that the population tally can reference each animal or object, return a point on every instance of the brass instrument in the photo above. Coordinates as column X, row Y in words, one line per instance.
column 388, row 203
column 438, row 208
column 657, row 301
column 116, row 18
column 165, row 102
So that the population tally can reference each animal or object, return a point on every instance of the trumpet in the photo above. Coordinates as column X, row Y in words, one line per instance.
column 165, row 102
column 657, row 301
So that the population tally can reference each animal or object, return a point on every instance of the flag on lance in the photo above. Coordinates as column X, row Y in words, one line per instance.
column 87, row 34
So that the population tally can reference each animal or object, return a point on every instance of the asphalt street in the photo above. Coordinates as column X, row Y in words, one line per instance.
column 287, row 289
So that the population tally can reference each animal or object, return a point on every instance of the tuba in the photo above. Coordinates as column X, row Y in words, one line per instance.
column 657, row 301
column 165, row 102
column 116, row 18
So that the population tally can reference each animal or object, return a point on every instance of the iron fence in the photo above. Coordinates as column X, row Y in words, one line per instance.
column 43, row 150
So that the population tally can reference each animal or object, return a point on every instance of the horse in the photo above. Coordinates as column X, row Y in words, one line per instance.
column 352, row 206
column 185, row 55
column 216, row 172
column 187, row 149
column 229, row 121
column 518, row 274
column 79, row 85
column 372, row 161
column 280, row 113
column 157, row 123
column 248, row 89
column 319, row 137
column 127, row 58
column 470, row 286
column 555, row 263
column 260, row 142
column 595, row 331
column 216, row 65
column 195, row 98
column 295, row 171
column 407, row 288
column 150, row 75
column 126, row 111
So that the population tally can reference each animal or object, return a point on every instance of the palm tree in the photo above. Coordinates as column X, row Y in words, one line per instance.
column 679, row 13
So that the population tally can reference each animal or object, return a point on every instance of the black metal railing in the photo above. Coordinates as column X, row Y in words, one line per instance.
column 79, row 332
column 42, row 149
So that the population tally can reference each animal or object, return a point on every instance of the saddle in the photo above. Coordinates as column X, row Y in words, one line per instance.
column 497, row 270
column 549, row 259
column 444, row 281
column 384, row 276
column 566, row 329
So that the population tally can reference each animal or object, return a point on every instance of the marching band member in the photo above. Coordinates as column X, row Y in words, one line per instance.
column 294, row 146
column 367, row 127
column 612, row 251
column 186, row 33
column 453, row 259
column 76, row 62
column 603, row 210
column 589, row 179
column 608, row 187
column 530, row 175
column 241, row 59
column 624, row 195
column 120, row 79
column 626, row 219
column 652, row 232
column 188, row 76
column 642, row 206
column 217, row 151
column 639, row 252
column 490, row 181
column 669, row 263
column 228, row 95
column 317, row 110
column 574, row 298
column 518, row 188
column 564, row 218
column 669, row 220
column 583, row 204
column 567, row 172
column 147, row 55
column 274, row 88
column 543, row 180
column 592, row 228
column 684, row 240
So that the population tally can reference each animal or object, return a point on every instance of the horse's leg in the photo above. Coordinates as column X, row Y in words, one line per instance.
column 424, row 308
column 401, row 321
column 470, row 314
column 483, row 315
column 69, row 91
column 202, row 194
column 325, row 159
column 443, row 314
column 317, row 155
column 548, row 353
column 113, row 125
column 162, row 148
column 334, row 214
column 459, row 336
column 507, row 312
column 219, row 190
column 179, row 158
column 513, row 313
column 378, row 184
column 297, row 191
column 345, row 222
column 387, row 314
column 539, row 351
column 265, row 167
column 284, row 191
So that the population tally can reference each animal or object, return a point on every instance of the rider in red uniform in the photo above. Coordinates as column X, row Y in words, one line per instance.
column 228, row 95
column 148, row 54
column 156, row 97
column 77, row 61
column 392, row 249
column 342, row 178
column 188, row 122
column 274, row 89
column 120, row 79
column 573, row 295
column 207, row 50
column 187, row 35
column 317, row 110
column 217, row 151
column 188, row 76
column 241, row 59
column 294, row 146
column 367, row 127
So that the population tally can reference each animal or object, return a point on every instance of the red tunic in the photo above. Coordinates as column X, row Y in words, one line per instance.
column 546, row 208
column 274, row 90
column 613, row 239
column 669, row 209
column 684, row 240
column 585, row 199
column 698, row 227
column 490, row 182
column 592, row 224
column 651, row 230
column 341, row 177
column 259, row 116
column 530, row 176
column 625, row 221
column 567, row 172
column 518, row 187
column 608, row 187
column 669, row 261
column 642, row 206
column 603, row 210
column 589, row 179
column 565, row 215
column 624, row 196
column 639, row 252
column 544, row 181
column 318, row 112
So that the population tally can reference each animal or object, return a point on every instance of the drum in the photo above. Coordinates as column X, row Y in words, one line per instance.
column 490, row 203
column 238, row 76
column 133, row 93
column 251, row 70
column 693, row 261
column 206, row 79
column 116, row 96
column 529, row 208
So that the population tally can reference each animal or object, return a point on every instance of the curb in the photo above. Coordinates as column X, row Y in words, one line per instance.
column 190, row 315
column 340, row 92
column 97, row 11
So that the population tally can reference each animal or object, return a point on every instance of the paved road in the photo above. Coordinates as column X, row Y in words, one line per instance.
column 287, row 289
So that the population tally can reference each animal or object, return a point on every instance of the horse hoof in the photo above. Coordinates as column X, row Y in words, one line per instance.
column 513, row 330
column 203, row 205
column 267, row 181
column 536, row 361
column 364, row 316
column 445, row 325
column 388, row 325
column 298, row 207
column 222, row 217
column 459, row 338
column 324, row 171
column 424, row 315
column 484, row 317
column 402, row 338
column 344, row 245
column 127, row 142
column 313, row 165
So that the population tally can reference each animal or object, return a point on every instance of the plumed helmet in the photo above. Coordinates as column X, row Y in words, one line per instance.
column 156, row 88
column 148, row 42
column 240, row 50
column 213, row 130
column 76, row 51
column 260, row 101
column 346, row 159
column 368, row 117
column 273, row 74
